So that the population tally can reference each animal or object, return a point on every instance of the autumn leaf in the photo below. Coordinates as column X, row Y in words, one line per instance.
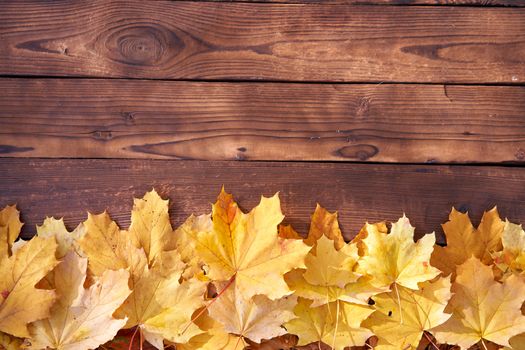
column 513, row 255
column 395, row 258
column 422, row 310
column 10, row 227
column 363, row 233
column 246, row 247
column 337, row 324
column 287, row 231
column 20, row 302
column 66, row 240
column 464, row 241
column 106, row 246
column 327, row 266
column 214, row 336
column 8, row 342
column 185, row 243
column 257, row 318
column 150, row 225
column 482, row 308
column 329, row 275
column 81, row 318
column 161, row 304
column 357, row 292
column 324, row 223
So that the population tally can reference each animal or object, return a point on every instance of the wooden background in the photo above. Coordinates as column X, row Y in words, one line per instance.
column 369, row 107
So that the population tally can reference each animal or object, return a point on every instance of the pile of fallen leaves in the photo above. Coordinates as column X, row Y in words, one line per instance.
column 230, row 280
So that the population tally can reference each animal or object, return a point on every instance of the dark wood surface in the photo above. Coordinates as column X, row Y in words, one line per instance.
column 484, row 3
column 262, row 121
column 375, row 83
column 360, row 192
column 258, row 41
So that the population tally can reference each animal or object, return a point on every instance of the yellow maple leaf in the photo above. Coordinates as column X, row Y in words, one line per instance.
column 394, row 258
column 513, row 255
column 330, row 276
column 81, row 318
column 20, row 302
column 214, row 336
column 150, row 225
column 464, row 241
column 257, row 318
column 185, row 243
column 66, row 240
column 324, row 223
column 422, row 310
column 106, row 246
column 357, row 292
column 482, row 308
column 246, row 247
column 161, row 304
column 10, row 227
column 337, row 324
column 330, row 266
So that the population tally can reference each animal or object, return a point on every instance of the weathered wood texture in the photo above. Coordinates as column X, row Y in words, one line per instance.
column 510, row 3
column 261, row 121
column 359, row 191
column 232, row 41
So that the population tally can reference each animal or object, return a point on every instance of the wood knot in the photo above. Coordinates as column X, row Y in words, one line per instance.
column 144, row 45
column 102, row 135
column 129, row 118
column 357, row 152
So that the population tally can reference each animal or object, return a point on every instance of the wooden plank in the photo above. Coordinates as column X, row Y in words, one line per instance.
column 360, row 192
column 261, row 121
column 485, row 3
column 237, row 41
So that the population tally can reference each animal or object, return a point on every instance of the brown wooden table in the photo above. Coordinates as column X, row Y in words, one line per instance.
column 369, row 107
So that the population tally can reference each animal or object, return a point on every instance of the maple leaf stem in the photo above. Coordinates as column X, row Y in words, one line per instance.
column 336, row 322
column 230, row 282
column 399, row 304
column 238, row 340
column 484, row 345
column 133, row 338
column 430, row 340
column 141, row 340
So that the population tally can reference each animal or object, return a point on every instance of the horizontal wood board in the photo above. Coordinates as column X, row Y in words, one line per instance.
column 361, row 192
column 263, row 41
column 261, row 121
column 483, row 3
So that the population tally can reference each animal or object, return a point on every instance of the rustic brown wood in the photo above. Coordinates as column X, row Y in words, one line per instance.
column 359, row 191
column 232, row 41
column 261, row 121
column 510, row 3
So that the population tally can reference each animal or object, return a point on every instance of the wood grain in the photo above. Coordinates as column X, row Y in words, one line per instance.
column 261, row 121
column 510, row 3
column 359, row 192
column 257, row 41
